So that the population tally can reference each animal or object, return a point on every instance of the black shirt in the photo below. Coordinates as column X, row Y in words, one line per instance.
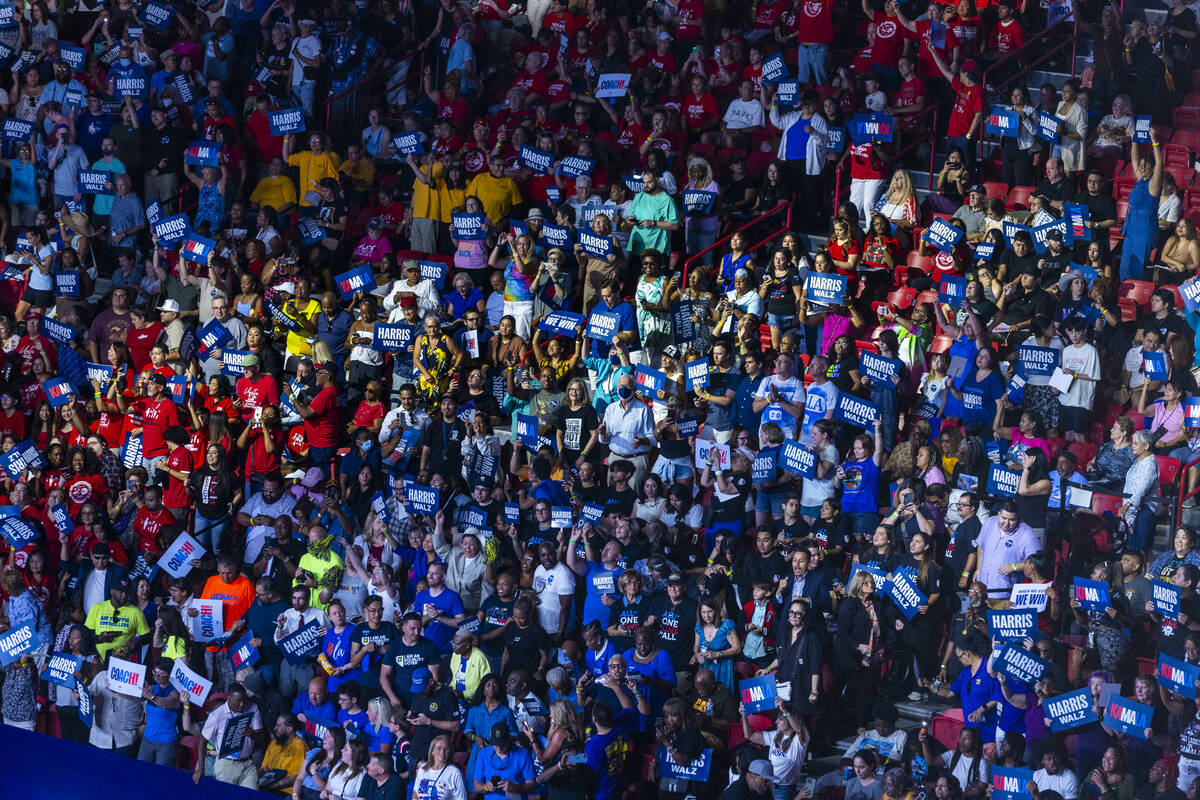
column 576, row 427
column 404, row 660
column 1172, row 323
column 676, row 630
column 390, row 790
column 628, row 616
column 1060, row 190
column 1024, row 306
column 364, row 635
column 525, row 645
column 441, row 705
column 496, row 614
column 444, row 440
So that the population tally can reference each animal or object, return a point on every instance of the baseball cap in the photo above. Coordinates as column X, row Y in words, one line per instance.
column 170, row 305
column 970, row 66
column 161, row 380
column 501, row 735
column 420, row 679
column 250, row 360
column 762, row 768
column 978, row 188
column 671, row 351
column 375, row 223
column 675, row 577
column 120, row 584
column 101, row 549
column 411, row 263
column 324, row 366
column 287, row 287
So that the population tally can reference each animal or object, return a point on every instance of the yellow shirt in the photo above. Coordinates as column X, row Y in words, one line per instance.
column 319, row 568
column 174, row 648
column 498, row 195
column 274, row 192
column 362, row 172
column 425, row 198
column 128, row 622
column 289, row 758
column 298, row 343
column 313, row 169
column 466, row 673
column 450, row 199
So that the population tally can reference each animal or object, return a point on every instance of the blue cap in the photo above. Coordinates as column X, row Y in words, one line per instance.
column 420, row 679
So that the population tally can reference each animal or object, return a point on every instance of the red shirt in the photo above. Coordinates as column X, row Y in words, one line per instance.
column 258, row 460
column 663, row 62
column 767, row 15
column 366, row 414
column 322, row 428
column 699, row 109
column 176, row 495
column 910, row 92
column 690, row 13
column 139, row 341
column 925, row 60
column 263, row 392
column 865, row 162
column 814, row 23
column 14, row 424
column 83, row 488
column 1006, row 36
column 534, row 84
column 147, row 524
column 889, row 40
column 157, row 416
column 458, row 112
column 268, row 146
column 968, row 101
column 966, row 31
column 29, row 349
column 563, row 22
column 111, row 428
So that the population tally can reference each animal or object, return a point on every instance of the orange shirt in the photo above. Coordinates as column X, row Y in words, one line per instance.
column 236, row 597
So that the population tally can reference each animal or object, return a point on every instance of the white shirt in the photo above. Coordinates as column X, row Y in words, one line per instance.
column 547, row 583
column 626, row 424
column 1065, row 783
column 788, row 762
column 342, row 785
column 744, row 114
column 1135, row 366
column 214, row 728
column 258, row 534
column 962, row 770
column 310, row 48
column 293, row 620
column 791, row 390
column 93, row 589
column 447, row 782
column 1085, row 361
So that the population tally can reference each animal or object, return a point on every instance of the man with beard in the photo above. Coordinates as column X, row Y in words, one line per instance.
column 284, row 757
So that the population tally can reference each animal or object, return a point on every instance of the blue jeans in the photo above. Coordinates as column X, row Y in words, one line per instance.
column 701, row 240
column 321, row 457
column 1143, row 530
column 210, row 539
column 810, row 59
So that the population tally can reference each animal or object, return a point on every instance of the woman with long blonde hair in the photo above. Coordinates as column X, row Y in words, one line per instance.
column 437, row 776
column 900, row 206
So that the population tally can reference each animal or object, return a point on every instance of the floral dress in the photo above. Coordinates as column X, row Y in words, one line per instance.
column 654, row 329
column 437, row 359
column 211, row 207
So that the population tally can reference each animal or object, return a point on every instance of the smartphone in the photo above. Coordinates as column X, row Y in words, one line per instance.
column 258, row 412
column 577, row 758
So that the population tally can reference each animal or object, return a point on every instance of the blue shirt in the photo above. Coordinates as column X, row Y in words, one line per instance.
column 597, row 662
column 516, row 767
column 447, row 603
column 607, row 754
column 324, row 711
column 594, row 609
column 626, row 321
column 743, row 404
column 161, row 723
column 974, row 692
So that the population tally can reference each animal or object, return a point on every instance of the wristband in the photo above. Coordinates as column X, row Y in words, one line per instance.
column 966, row 574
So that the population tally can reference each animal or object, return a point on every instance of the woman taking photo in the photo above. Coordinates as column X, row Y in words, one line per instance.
column 787, row 747
column 1106, row 627
column 566, row 737
column 519, row 259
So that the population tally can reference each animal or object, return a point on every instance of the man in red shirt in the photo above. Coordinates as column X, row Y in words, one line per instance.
column 321, row 418
column 259, row 127
column 814, row 33
column 1006, row 36
column 931, row 34
column 150, row 520
column 889, row 44
column 158, row 414
column 33, row 344
column 254, row 388
column 178, row 465
column 967, row 114
column 913, row 96
column 700, row 110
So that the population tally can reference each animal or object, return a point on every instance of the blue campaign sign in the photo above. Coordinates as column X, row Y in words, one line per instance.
column 1166, row 598
column 353, row 281
column 537, row 161
column 764, row 468
column 131, row 451
column 798, row 459
column 93, row 181
column 1001, row 122
column 286, row 120
column 1016, row 389
column 527, row 430
column 1178, row 676
column 24, row 455
column 211, row 337
column 394, row 337
column 182, row 389
column 595, row 244
column 985, row 250
column 1040, row 232
column 7, row 18
column 871, row 128
column 17, row 642
column 1012, row 624
column 310, row 231
column 202, row 154
column 774, row 69
column 153, row 212
column 591, row 513
column 512, row 513
column 1077, row 216
column 553, row 194
column 305, row 642
column 74, row 55
column 1070, row 710
column 1191, row 294
column 562, row 517
column 687, row 426
column 1012, row 228
column 1008, row 783
column 1128, row 716
column 57, row 331
column 232, row 362
column 197, row 248
column 280, row 316
column 130, row 86
column 242, row 653
column 1092, row 595
column 602, row 325
column 172, row 229
column 696, row 201
column 879, row 368
column 61, row 669
column 19, row 531
column 696, row 771
column 856, row 412
column 66, row 283
column 576, row 166
column 1141, row 129
column 434, row 271
column 1020, row 665
column 409, row 143
column 1002, row 481
column 561, row 323
column 758, row 694
column 469, row 227
column 1037, row 360
column 1191, row 412
column 649, row 381
column 787, row 94
column 158, row 15
column 1047, row 127
column 953, row 289
column 16, row 130
column 556, row 236
column 825, row 288
column 942, row 235
column 61, row 516
column 58, row 391
column 1154, row 363
column 695, row 374
column 424, row 499
column 905, row 593
column 380, row 507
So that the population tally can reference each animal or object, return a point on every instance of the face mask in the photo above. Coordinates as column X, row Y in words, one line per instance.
column 125, row 62
column 366, row 446
column 625, row 392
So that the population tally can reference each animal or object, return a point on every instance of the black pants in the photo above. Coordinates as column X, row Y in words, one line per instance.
column 1016, row 165
column 72, row 728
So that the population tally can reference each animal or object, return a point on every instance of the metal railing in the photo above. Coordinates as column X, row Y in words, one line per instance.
column 928, row 136
column 1025, row 69
column 785, row 204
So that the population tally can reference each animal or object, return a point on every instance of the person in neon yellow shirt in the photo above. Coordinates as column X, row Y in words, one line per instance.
column 116, row 624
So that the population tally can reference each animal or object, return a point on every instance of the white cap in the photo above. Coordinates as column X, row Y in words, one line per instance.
column 170, row 305
column 286, row 286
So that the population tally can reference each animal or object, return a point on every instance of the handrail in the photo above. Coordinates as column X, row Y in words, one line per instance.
column 928, row 136
column 1028, row 68
column 778, row 207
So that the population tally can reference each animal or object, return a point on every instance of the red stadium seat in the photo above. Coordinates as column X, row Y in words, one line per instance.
column 1168, row 469
column 917, row 261
column 1137, row 291
column 996, row 189
column 941, row 344
column 902, row 298
column 1084, row 451
column 1018, row 197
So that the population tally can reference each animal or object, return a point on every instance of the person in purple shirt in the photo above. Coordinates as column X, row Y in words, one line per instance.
column 1003, row 545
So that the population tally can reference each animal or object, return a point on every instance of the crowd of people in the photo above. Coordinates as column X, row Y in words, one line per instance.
column 596, row 407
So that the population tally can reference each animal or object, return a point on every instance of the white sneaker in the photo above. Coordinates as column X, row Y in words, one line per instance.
column 916, row 696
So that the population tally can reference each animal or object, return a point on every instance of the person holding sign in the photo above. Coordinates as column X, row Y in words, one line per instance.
column 232, row 730
column 1106, row 627
column 38, row 267
column 1141, row 220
